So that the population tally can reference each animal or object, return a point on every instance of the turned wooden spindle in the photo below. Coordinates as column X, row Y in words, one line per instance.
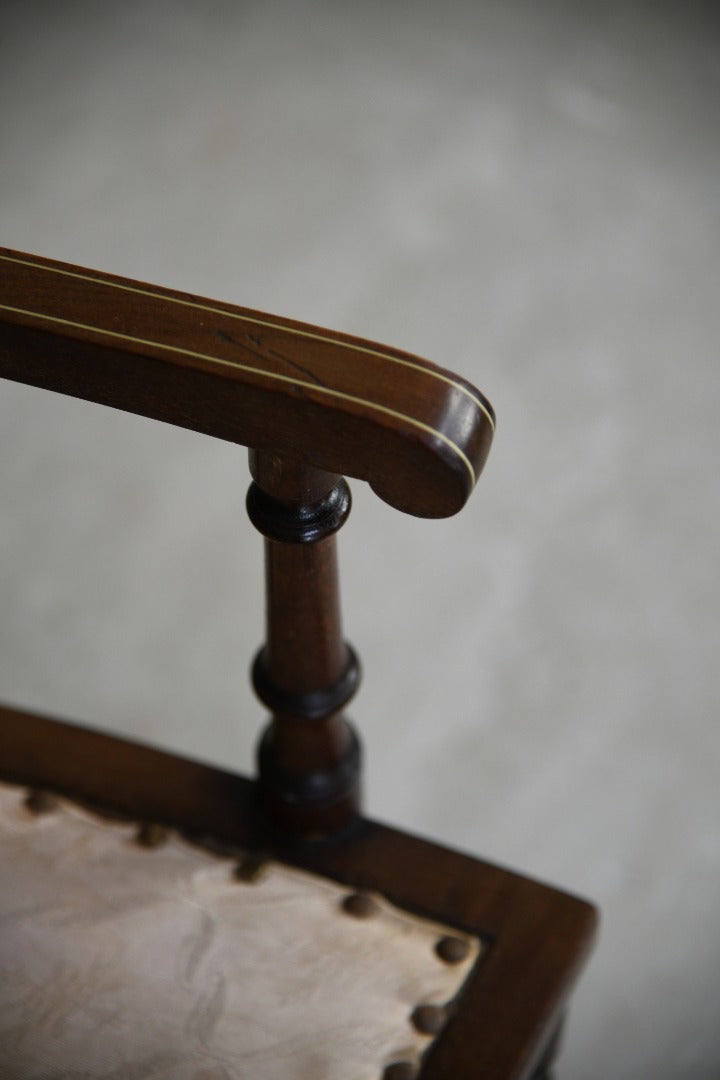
column 309, row 756
column 314, row 406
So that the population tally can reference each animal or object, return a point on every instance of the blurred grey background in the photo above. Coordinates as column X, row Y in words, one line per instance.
column 527, row 193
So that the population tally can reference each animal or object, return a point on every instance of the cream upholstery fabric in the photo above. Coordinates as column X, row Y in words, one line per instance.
column 121, row 962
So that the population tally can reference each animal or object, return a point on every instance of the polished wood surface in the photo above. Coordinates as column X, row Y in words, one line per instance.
column 502, row 1026
column 309, row 757
column 311, row 406
column 418, row 434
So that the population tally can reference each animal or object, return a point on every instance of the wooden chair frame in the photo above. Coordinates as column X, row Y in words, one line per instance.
column 420, row 440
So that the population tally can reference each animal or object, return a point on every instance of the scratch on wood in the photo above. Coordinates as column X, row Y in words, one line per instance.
column 256, row 341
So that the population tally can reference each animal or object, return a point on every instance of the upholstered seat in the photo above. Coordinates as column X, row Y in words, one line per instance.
column 161, row 918
column 139, row 948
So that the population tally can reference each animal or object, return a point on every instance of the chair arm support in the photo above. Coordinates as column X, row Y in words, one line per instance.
column 418, row 434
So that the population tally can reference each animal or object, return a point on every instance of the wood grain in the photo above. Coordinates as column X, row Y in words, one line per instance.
column 418, row 434
column 538, row 938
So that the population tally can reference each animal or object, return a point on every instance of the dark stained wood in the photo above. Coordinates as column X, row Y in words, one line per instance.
column 311, row 405
column 537, row 937
column 418, row 434
column 309, row 758
column 544, row 1068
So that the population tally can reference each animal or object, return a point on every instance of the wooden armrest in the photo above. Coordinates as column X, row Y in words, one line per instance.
column 418, row 434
